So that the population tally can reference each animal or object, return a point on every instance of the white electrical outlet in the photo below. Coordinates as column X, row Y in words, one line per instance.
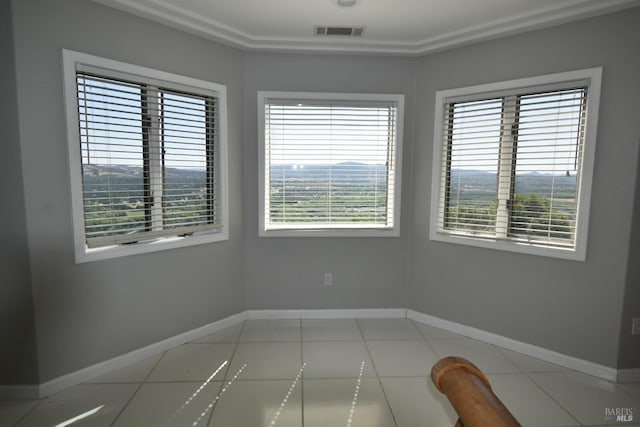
column 328, row 279
column 635, row 326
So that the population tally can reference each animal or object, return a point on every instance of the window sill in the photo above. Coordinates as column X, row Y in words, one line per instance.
column 84, row 254
column 574, row 254
column 333, row 232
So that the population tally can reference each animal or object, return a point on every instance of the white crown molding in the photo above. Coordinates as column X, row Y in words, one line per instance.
column 567, row 11
column 182, row 19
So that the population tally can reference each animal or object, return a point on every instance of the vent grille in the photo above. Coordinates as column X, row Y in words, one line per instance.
column 326, row 30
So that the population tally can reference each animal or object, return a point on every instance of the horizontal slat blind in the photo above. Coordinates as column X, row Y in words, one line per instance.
column 189, row 162
column 148, row 160
column 548, row 164
column 511, row 167
column 471, row 165
column 329, row 164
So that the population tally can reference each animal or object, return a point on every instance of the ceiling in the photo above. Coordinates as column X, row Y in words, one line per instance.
column 407, row 27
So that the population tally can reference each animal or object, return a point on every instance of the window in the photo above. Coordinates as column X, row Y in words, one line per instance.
column 513, row 162
column 330, row 164
column 147, row 158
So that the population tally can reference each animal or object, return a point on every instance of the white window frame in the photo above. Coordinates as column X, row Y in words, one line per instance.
column 73, row 61
column 593, row 77
column 339, row 230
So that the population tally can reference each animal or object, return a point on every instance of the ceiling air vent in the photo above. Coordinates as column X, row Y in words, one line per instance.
column 324, row 30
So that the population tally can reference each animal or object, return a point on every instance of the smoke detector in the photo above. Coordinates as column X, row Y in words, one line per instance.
column 346, row 3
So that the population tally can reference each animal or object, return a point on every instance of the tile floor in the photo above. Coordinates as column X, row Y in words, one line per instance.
column 334, row 372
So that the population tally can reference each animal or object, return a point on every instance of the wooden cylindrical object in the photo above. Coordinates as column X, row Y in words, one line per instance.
column 470, row 394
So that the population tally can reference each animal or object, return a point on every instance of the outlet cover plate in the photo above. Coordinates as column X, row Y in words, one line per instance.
column 328, row 279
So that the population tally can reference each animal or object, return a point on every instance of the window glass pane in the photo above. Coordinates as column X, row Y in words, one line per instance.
column 329, row 164
column 472, row 165
column 148, row 160
column 187, row 130
column 549, row 147
column 110, row 123
column 513, row 164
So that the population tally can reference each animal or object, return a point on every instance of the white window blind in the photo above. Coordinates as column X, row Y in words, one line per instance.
column 511, row 164
column 148, row 160
column 329, row 164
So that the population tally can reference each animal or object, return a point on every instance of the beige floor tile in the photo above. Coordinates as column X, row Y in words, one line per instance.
column 530, row 364
column 12, row 411
column 415, row 402
column 97, row 404
column 229, row 335
column 529, row 404
column 170, row 404
column 590, row 400
column 388, row 329
column 259, row 403
column 402, row 358
column 336, row 359
column 271, row 330
column 324, row 359
column 484, row 356
column 267, row 361
column 192, row 362
column 330, row 330
column 134, row 373
column 330, row 403
column 431, row 332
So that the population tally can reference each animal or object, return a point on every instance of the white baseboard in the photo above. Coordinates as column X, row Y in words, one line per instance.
column 85, row 374
column 580, row 365
column 628, row 375
column 359, row 313
column 17, row 392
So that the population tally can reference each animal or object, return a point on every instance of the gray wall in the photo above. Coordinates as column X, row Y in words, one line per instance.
column 571, row 307
column 287, row 273
column 86, row 313
column 18, row 358
column 91, row 312
column 629, row 356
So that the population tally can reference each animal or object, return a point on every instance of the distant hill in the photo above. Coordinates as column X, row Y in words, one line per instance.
column 478, row 188
column 470, row 184
column 136, row 171
column 324, row 172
